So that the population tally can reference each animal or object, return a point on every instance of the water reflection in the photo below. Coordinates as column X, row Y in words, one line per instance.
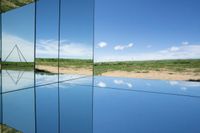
column 108, row 105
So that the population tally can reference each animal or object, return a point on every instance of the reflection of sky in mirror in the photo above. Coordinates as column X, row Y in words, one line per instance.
column 113, row 105
column 76, row 108
column 15, row 80
column 18, row 110
column 146, row 30
column 157, row 86
column 117, row 111
column 18, row 29
column 76, row 28
column 47, row 29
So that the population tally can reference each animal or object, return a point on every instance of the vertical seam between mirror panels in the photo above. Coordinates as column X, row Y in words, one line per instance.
column 93, row 50
column 1, row 89
column 59, row 33
column 35, row 36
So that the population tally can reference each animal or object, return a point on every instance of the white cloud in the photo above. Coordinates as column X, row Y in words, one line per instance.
column 101, row 84
column 122, row 47
column 49, row 48
column 173, row 48
column 130, row 45
column 174, row 52
column 185, row 43
column 102, row 44
column 25, row 46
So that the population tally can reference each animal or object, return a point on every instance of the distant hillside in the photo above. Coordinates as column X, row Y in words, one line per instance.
column 7, row 5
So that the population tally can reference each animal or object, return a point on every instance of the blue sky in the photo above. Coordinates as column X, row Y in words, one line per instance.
column 124, row 29
column 155, row 28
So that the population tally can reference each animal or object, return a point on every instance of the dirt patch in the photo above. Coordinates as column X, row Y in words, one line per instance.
column 64, row 70
column 163, row 75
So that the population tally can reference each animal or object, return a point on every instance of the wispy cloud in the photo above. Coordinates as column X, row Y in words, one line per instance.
column 49, row 49
column 174, row 52
column 122, row 47
column 185, row 43
column 102, row 44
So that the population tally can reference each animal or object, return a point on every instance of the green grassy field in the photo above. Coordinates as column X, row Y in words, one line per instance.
column 18, row 65
column 74, row 63
column 7, row 5
column 180, row 66
column 6, row 129
column 192, row 65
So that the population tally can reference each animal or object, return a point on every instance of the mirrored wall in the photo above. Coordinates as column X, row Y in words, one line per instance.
column 47, row 40
column 17, row 66
column 76, row 39
column 64, row 40
column 17, row 45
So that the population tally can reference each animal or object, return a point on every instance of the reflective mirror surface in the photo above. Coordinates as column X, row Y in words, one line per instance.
column 48, row 83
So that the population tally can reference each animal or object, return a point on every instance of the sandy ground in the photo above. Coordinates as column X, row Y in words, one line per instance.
column 81, row 71
column 164, row 75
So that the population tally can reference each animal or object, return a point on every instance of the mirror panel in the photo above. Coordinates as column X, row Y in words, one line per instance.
column 76, row 39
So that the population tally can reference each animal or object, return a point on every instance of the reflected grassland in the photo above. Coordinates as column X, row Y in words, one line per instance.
column 7, row 5
column 7, row 129
column 159, row 69
column 66, row 66
column 25, row 66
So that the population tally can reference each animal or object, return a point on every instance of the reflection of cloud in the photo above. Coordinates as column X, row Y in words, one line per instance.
column 184, row 84
column 26, row 47
column 49, row 48
column 122, row 47
column 183, row 88
column 118, row 82
column 148, row 84
column 175, row 52
column 102, row 44
column 173, row 83
column 101, row 84
column 121, row 82
column 129, row 85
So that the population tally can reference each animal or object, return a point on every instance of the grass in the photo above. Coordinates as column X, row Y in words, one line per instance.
column 6, row 129
column 189, row 65
column 18, row 65
column 72, row 63
column 7, row 5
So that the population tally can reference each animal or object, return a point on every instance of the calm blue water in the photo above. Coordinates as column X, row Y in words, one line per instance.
column 99, row 105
